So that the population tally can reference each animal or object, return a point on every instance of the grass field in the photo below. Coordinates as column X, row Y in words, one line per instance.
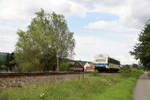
column 102, row 87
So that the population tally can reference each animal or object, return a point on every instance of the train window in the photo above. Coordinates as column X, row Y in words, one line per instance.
column 101, row 60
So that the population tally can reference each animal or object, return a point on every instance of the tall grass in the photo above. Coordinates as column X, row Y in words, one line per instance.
column 101, row 87
column 122, row 90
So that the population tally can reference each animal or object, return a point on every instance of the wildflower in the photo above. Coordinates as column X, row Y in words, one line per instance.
column 42, row 95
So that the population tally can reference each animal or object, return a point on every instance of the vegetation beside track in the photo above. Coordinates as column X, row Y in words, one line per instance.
column 122, row 90
column 90, row 87
column 148, row 74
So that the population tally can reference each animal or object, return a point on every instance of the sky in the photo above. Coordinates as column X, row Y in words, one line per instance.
column 100, row 26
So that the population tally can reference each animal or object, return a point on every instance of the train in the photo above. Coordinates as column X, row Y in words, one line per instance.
column 103, row 62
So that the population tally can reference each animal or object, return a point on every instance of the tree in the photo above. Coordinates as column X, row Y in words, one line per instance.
column 134, row 65
column 141, row 50
column 46, row 38
column 63, row 42
column 10, row 61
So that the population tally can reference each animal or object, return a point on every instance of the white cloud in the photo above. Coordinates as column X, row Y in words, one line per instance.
column 110, row 26
column 7, row 44
column 24, row 9
column 131, row 12
column 88, row 46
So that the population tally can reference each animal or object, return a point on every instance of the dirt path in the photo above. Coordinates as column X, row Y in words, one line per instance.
column 142, row 89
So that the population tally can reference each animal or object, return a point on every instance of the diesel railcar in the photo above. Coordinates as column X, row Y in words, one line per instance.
column 103, row 62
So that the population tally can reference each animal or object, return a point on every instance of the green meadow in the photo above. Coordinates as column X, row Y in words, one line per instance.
column 90, row 87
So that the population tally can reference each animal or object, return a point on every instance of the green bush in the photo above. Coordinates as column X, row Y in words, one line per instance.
column 65, row 66
column 135, row 70
column 125, row 69
column 4, row 66
column 16, row 69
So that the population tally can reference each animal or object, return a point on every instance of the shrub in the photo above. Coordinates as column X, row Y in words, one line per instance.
column 65, row 66
column 135, row 70
column 125, row 69
column 16, row 69
column 4, row 66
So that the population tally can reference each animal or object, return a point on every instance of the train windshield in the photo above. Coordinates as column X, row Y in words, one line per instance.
column 101, row 59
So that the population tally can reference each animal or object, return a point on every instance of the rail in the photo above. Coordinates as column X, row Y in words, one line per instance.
column 29, row 74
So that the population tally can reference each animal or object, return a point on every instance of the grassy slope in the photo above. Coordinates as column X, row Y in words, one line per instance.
column 103, row 87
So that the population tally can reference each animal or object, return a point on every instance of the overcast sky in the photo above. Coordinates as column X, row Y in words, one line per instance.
column 99, row 26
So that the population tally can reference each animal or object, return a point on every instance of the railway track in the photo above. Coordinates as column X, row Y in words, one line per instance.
column 22, row 79
column 34, row 74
